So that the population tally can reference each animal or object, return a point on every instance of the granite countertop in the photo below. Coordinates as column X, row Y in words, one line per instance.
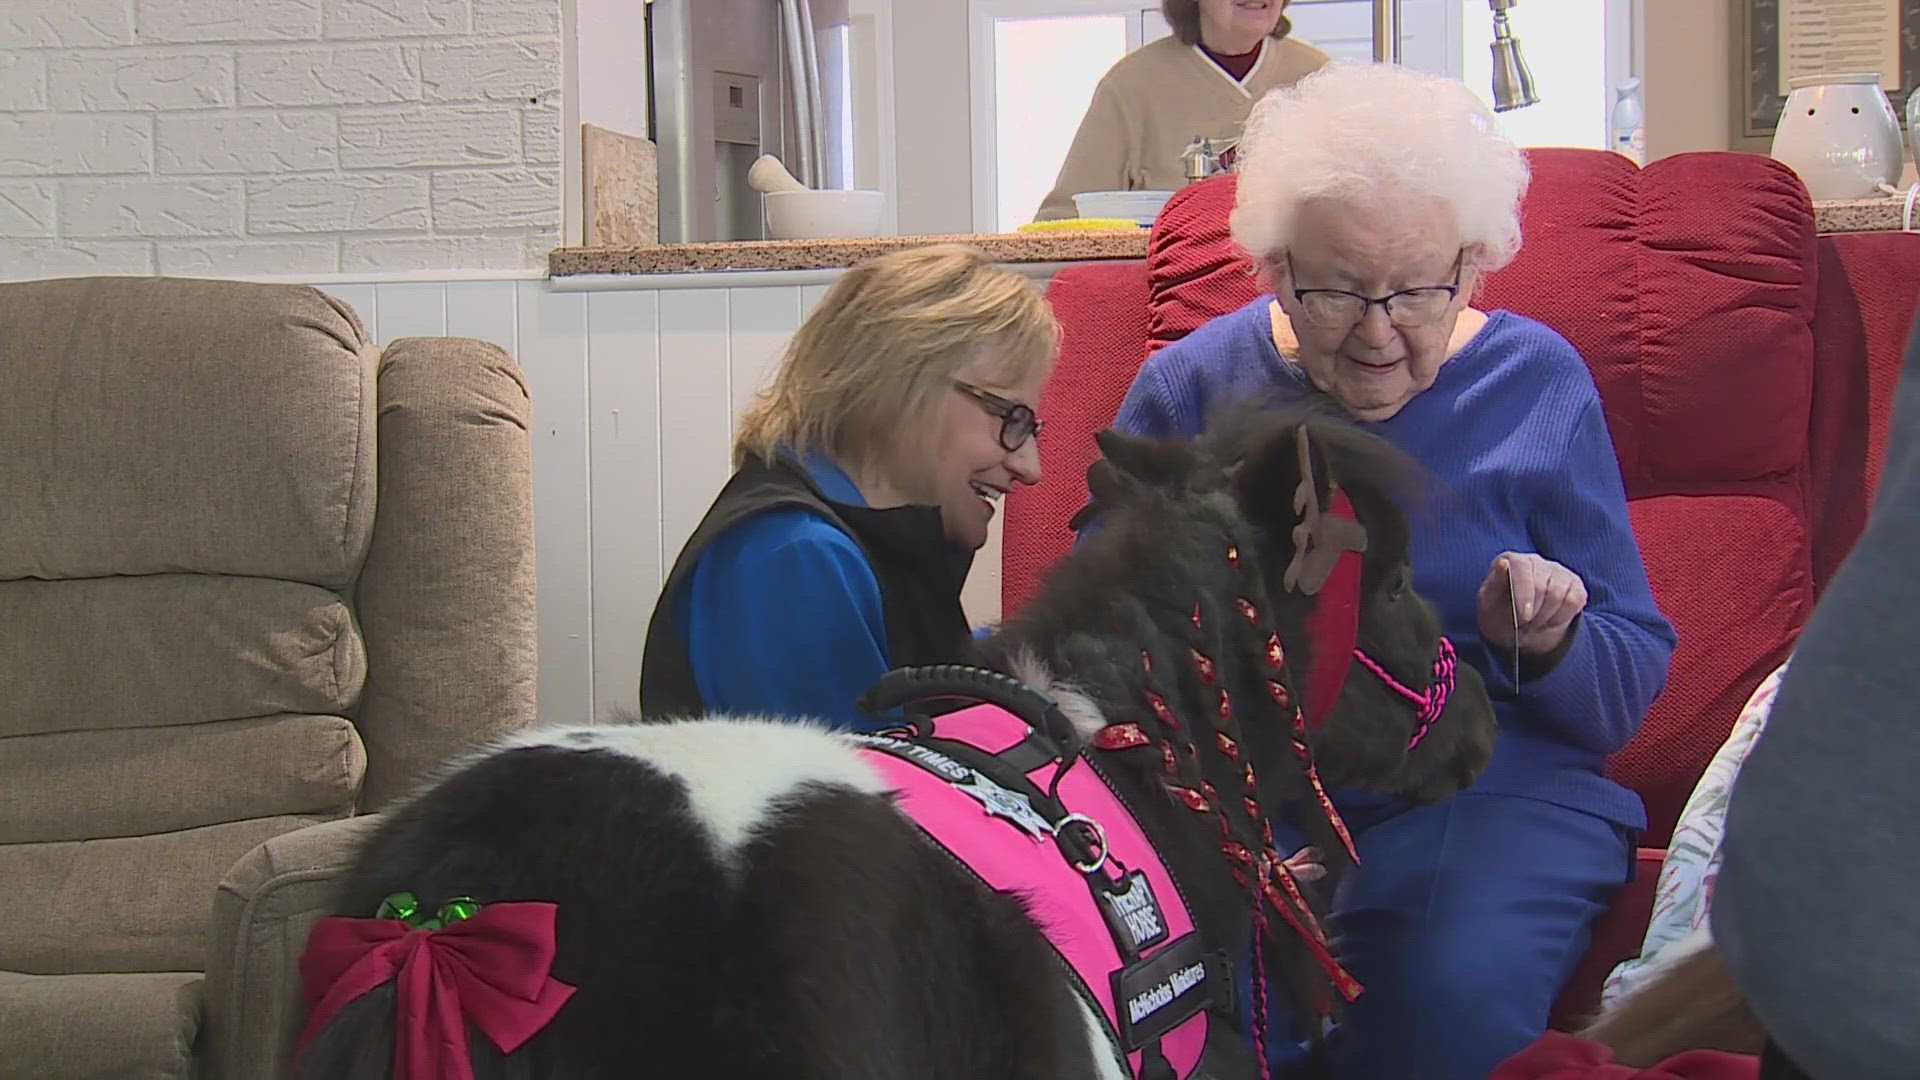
column 1030, row 247
column 1862, row 215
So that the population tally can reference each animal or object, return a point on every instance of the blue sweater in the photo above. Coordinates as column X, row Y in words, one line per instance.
column 1513, row 437
column 756, row 582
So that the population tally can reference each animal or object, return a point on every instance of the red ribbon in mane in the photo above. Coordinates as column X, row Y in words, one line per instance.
column 490, row 970
column 1333, row 629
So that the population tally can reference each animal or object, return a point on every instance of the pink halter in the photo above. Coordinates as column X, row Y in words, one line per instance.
column 1334, row 629
column 1434, row 701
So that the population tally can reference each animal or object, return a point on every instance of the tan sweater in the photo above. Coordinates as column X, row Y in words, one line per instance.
column 1152, row 104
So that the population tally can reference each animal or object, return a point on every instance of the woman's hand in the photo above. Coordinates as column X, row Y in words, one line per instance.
column 1543, row 595
column 1305, row 865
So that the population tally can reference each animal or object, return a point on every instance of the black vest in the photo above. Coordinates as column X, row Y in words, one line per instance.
column 920, row 572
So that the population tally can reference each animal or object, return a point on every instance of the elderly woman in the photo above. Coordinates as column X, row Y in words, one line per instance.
column 1374, row 199
column 1199, row 83
column 867, row 473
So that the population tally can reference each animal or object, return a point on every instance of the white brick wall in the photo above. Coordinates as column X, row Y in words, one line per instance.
column 253, row 137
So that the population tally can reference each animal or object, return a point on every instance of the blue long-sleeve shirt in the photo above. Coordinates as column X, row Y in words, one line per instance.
column 1512, row 436
column 782, row 614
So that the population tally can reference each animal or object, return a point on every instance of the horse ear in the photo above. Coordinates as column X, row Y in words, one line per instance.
column 1103, row 493
column 1104, row 485
column 1264, row 474
column 1144, row 461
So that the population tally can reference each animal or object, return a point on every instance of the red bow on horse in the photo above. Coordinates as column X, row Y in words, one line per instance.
column 490, row 970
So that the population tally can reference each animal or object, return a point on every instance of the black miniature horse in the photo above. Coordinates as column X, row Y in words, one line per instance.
column 741, row 897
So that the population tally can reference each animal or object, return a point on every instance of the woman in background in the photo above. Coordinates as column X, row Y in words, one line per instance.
column 867, row 473
column 1199, row 83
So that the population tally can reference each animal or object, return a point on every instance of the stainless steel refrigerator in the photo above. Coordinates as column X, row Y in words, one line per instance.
column 734, row 79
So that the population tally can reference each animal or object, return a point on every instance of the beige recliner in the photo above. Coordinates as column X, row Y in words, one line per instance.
column 256, row 577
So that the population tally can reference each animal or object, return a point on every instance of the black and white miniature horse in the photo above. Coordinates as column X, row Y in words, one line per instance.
column 739, row 897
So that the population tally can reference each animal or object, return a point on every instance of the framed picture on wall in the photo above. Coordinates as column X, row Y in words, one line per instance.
column 1775, row 40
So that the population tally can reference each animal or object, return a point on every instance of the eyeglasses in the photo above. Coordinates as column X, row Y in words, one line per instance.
column 1337, row 308
column 1017, row 421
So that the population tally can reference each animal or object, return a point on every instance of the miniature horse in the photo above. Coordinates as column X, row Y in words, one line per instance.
column 740, row 897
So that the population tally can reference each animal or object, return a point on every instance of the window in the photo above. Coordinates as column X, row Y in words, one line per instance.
column 1429, row 31
column 1577, row 50
column 1045, row 70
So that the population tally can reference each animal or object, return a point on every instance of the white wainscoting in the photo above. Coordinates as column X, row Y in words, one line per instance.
column 635, row 395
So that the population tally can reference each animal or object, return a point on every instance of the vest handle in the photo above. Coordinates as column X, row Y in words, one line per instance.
column 906, row 686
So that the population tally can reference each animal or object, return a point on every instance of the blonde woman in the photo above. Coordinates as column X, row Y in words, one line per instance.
column 866, row 475
column 1200, row 82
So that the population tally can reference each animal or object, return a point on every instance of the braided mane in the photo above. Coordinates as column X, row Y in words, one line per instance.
column 1173, row 625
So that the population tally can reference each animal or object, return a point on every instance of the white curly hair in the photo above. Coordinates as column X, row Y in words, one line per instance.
column 1377, row 134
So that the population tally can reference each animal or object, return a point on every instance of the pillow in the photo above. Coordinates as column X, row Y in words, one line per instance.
column 1684, row 892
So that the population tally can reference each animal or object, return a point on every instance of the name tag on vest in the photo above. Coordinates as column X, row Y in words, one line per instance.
column 1133, row 914
column 1156, row 995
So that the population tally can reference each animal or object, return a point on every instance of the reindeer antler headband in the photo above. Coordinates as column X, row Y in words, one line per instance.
column 1320, row 538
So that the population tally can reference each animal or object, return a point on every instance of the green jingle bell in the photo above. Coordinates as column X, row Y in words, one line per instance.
column 458, row 908
column 403, row 906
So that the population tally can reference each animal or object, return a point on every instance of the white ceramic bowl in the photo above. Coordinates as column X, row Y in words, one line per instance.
column 1141, row 206
column 809, row 215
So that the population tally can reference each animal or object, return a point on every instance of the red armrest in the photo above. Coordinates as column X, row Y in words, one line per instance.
column 1102, row 308
column 1869, row 285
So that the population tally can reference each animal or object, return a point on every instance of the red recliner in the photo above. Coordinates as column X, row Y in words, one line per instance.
column 1745, row 363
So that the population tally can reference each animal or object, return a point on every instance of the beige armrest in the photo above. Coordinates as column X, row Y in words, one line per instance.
column 262, row 912
column 445, row 599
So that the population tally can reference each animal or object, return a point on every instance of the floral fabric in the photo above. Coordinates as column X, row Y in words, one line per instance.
column 1685, row 889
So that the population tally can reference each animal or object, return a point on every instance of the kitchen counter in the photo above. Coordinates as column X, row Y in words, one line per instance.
column 1861, row 215
column 1033, row 247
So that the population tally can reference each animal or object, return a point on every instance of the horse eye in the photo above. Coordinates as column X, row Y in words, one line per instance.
column 1399, row 587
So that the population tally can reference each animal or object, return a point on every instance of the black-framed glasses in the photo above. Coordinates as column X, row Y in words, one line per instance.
column 1017, row 422
column 1337, row 308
